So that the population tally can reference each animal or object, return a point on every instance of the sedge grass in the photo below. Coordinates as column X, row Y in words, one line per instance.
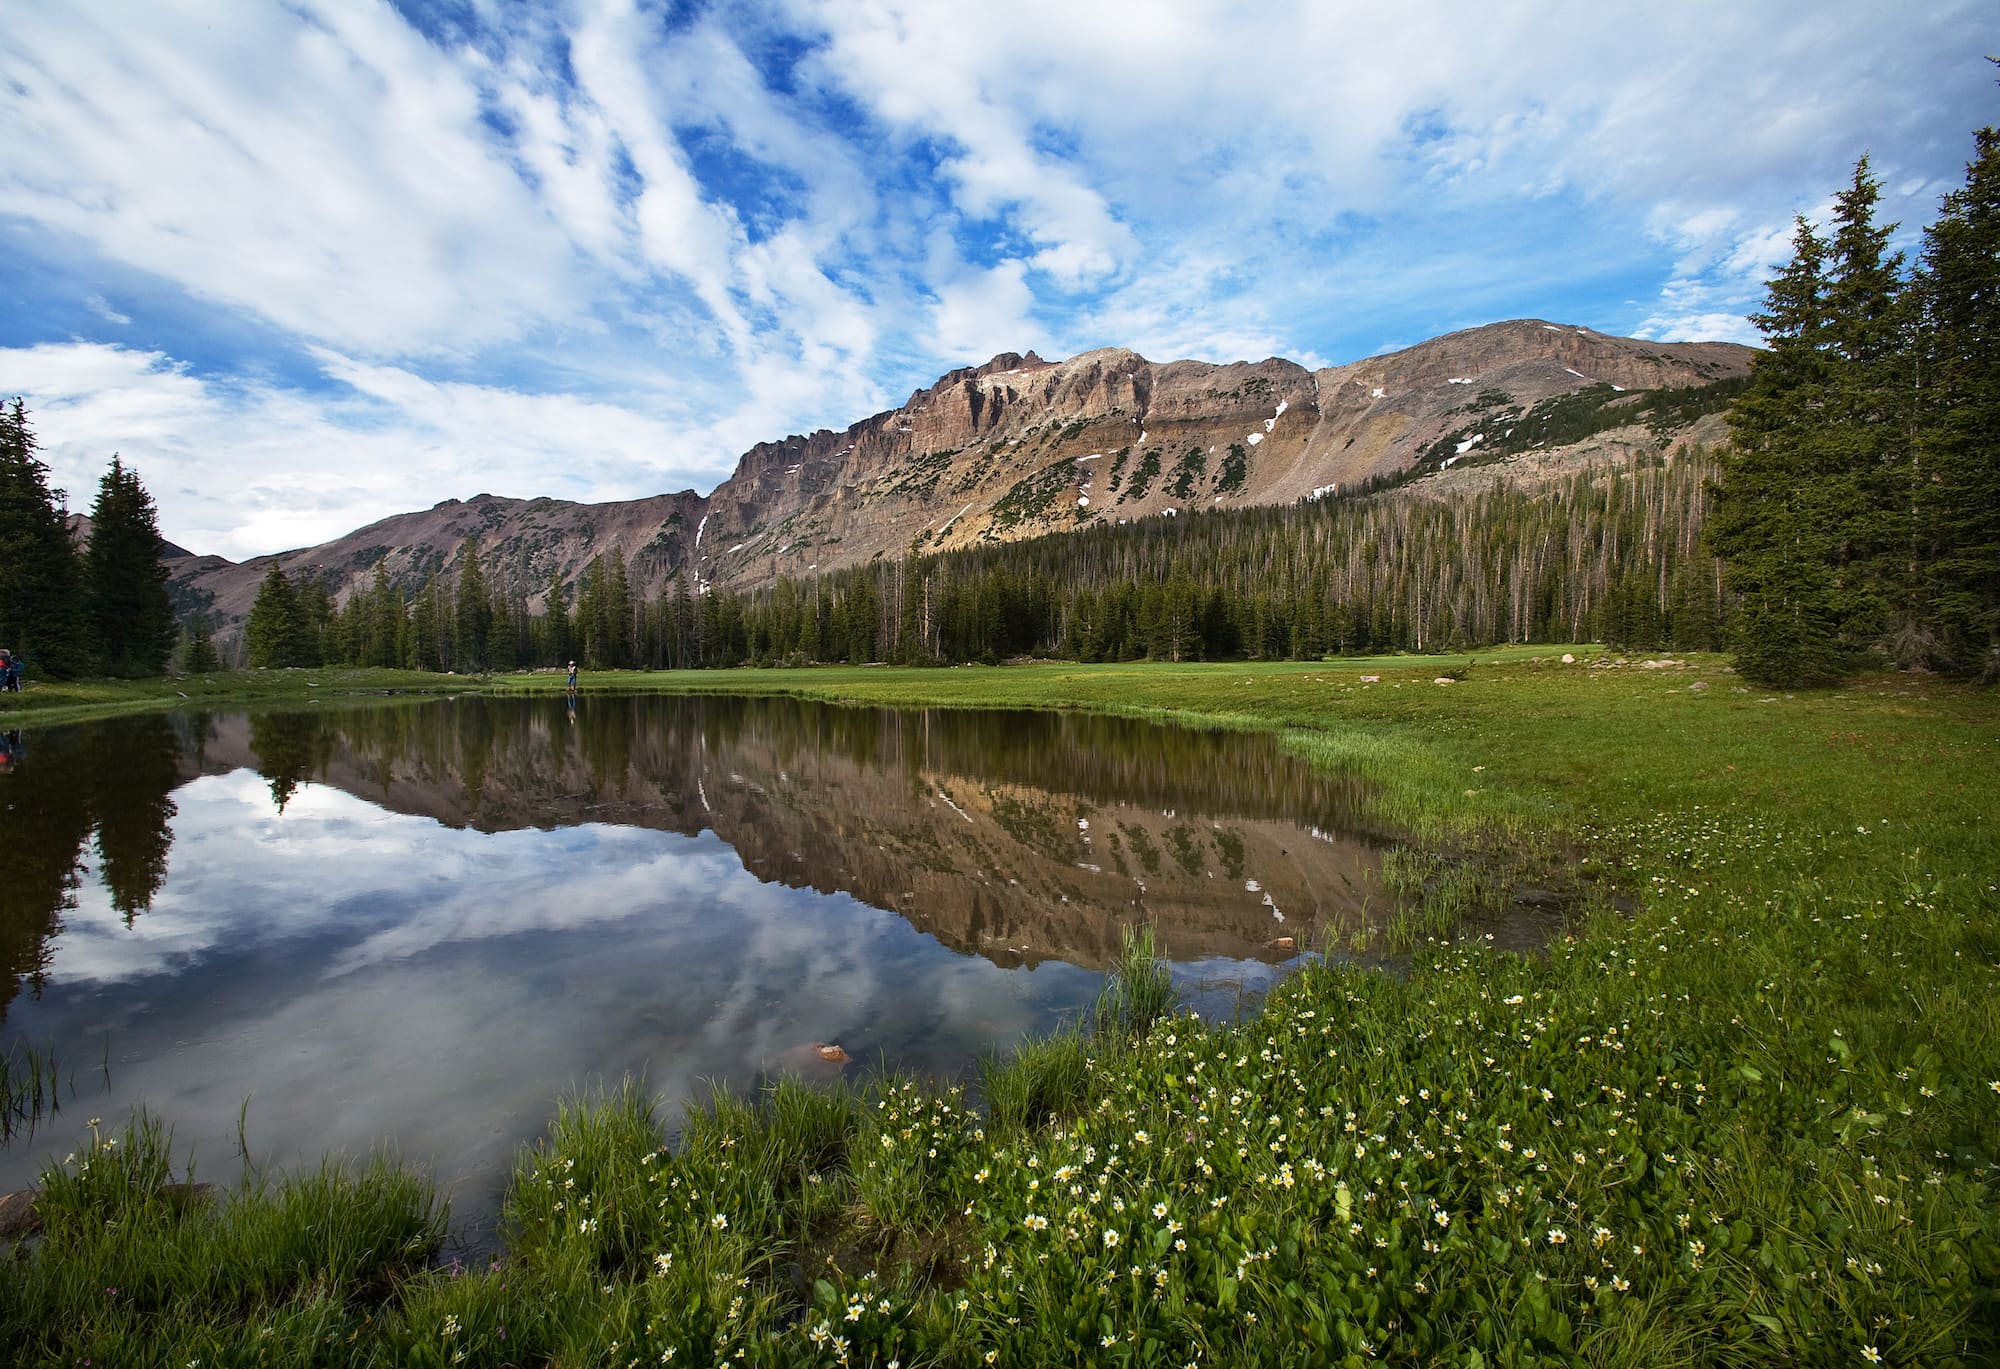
column 1139, row 991
column 135, row 1267
column 29, row 1089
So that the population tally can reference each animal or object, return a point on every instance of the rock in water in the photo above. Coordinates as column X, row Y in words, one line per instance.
column 18, row 1216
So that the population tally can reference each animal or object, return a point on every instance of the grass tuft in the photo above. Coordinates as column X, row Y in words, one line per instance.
column 1137, row 994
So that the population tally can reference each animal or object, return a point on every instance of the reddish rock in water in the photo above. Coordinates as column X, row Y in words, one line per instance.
column 18, row 1216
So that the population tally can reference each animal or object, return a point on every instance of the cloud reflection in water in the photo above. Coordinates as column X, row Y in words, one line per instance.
column 366, row 977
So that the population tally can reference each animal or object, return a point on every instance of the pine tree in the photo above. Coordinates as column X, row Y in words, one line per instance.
column 201, row 657
column 592, row 616
column 1954, row 542
column 683, row 652
column 1866, row 432
column 131, row 618
column 616, row 607
column 424, row 644
column 556, row 644
column 1772, row 508
column 41, row 601
column 473, row 614
column 379, row 615
column 273, row 627
column 313, row 626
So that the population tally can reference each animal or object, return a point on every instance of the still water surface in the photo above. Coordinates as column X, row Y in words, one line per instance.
column 416, row 924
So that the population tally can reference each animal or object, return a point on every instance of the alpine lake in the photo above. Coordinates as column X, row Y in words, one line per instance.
column 412, row 926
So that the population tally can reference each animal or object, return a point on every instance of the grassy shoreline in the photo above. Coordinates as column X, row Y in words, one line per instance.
column 1756, row 1121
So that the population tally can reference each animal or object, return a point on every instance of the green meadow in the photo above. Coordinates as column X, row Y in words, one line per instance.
column 1744, row 1109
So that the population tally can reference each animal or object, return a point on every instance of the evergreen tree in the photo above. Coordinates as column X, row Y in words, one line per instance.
column 593, row 616
column 1953, row 545
column 1773, row 509
column 381, row 621
column 556, row 645
column 1866, row 431
column 1861, row 505
column 200, row 657
column 616, row 607
column 41, row 601
column 685, row 625
column 131, row 619
column 424, row 646
column 313, row 631
column 473, row 614
column 274, row 636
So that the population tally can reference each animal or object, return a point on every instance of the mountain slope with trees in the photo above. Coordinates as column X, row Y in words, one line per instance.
column 1020, row 448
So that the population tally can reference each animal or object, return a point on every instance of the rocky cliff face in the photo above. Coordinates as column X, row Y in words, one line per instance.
column 1020, row 447
column 523, row 545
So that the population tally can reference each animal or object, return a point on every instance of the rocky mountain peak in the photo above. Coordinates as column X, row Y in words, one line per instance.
column 1020, row 446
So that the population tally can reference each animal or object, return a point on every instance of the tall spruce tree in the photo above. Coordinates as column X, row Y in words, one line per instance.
column 1953, row 547
column 1771, row 513
column 555, row 644
column 617, row 610
column 1866, row 433
column 130, row 616
column 593, row 617
column 201, row 657
column 472, row 613
column 280, row 631
column 41, row 601
column 425, row 642
column 1822, row 437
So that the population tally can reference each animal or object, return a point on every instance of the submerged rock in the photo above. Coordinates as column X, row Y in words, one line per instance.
column 18, row 1215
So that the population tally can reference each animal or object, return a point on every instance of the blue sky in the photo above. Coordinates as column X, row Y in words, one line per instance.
column 309, row 264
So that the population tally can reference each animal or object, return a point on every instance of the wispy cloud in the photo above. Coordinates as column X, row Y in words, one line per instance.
column 601, row 248
column 241, row 468
column 101, row 307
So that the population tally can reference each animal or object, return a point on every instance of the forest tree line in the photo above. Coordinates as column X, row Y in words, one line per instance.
column 1610, row 553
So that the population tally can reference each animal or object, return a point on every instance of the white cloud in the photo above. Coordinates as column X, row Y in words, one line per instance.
column 981, row 313
column 578, row 243
column 102, row 307
column 244, row 469
column 322, row 168
column 1200, row 132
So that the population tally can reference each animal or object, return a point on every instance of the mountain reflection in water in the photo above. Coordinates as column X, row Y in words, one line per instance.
column 396, row 921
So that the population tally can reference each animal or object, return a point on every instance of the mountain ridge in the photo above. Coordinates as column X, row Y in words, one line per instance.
column 1019, row 446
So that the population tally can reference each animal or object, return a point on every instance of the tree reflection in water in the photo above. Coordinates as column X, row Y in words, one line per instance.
column 110, row 781
column 1016, row 836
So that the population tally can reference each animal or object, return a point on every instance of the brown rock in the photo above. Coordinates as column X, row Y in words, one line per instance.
column 183, row 1196
column 18, row 1215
